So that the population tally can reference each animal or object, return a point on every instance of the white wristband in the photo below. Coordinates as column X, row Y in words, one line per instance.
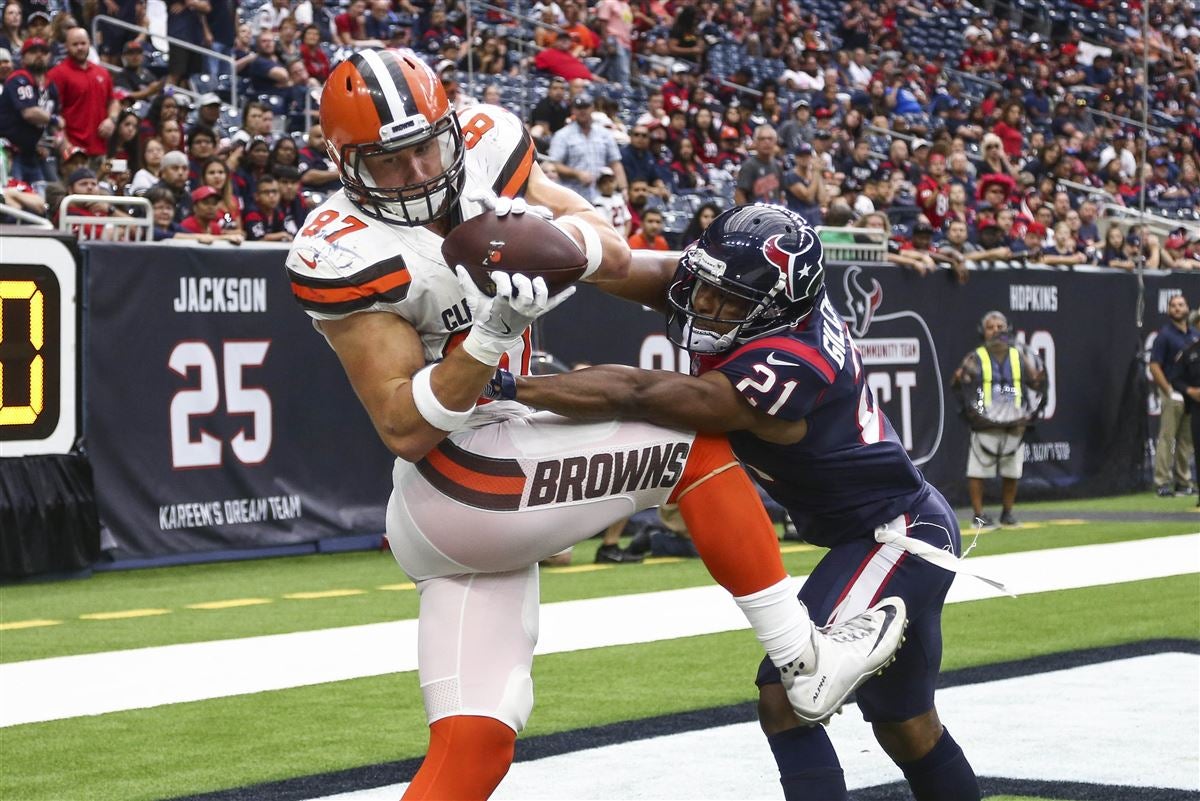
column 592, row 249
column 431, row 408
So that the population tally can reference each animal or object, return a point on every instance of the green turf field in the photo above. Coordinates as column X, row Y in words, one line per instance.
column 206, row 745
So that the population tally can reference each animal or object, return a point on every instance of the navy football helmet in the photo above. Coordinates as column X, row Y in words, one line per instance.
column 765, row 263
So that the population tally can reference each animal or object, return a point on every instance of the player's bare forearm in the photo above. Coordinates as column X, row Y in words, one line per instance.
column 649, row 277
column 380, row 353
column 615, row 392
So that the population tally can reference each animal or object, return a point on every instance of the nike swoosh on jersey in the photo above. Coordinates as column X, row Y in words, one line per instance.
column 780, row 362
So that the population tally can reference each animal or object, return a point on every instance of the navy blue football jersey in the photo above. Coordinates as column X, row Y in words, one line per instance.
column 850, row 472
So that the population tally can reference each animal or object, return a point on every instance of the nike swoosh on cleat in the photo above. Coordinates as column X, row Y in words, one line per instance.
column 889, row 614
column 779, row 362
column 309, row 263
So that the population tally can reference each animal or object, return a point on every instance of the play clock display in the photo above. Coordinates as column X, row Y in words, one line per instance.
column 37, row 347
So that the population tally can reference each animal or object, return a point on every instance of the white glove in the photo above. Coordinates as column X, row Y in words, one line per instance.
column 501, row 206
column 497, row 323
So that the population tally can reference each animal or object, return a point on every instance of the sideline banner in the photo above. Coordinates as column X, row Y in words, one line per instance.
column 913, row 332
column 216, row 417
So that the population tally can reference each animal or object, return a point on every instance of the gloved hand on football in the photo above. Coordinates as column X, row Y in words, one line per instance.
column 499, row 322
column 500, row 205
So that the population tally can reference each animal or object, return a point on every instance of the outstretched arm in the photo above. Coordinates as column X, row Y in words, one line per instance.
column 665, row 398
column 708, row 403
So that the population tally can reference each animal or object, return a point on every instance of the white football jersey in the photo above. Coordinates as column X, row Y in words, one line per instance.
column 343, row 261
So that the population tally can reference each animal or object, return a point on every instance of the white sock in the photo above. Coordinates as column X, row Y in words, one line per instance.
column 780, row 622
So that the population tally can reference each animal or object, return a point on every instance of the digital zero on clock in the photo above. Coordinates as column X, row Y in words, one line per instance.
column 37, row 347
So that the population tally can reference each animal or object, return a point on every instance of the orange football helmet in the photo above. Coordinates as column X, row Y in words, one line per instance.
column 374, row 105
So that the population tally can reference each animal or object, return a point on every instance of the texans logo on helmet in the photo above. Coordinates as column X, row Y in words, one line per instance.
column 785, row 260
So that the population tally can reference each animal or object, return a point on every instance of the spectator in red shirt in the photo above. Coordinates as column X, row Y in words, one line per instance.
column 650, row 237
column 933, row 192
column 557, row 60
column 85, row 90
column 203, row 219
column 1009, row 130
column 314, row 58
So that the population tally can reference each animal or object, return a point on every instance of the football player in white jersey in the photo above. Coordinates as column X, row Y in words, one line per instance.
column 482, row 492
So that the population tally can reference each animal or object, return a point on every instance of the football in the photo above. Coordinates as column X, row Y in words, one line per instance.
column 514, row 243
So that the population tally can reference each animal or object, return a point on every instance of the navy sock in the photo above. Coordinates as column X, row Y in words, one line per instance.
column 808, row 766
column 943, row 774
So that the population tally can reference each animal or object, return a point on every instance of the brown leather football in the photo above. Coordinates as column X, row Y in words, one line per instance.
column 514, row 243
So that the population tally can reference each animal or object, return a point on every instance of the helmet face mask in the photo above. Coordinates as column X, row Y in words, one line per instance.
column 394, row 137
column 755, row 271
column 408, row 204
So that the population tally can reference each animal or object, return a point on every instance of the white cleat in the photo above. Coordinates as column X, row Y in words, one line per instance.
column 845, row 655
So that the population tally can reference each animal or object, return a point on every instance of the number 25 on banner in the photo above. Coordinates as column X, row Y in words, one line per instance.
column 203, row 399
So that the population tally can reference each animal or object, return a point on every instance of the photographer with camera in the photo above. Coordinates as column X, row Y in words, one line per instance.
column 1002, row 389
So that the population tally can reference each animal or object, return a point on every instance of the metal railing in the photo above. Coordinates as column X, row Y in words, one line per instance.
column 112, row 227
column 1112, row 214
column 22, row 216
column 173, row 42
column 853, row 244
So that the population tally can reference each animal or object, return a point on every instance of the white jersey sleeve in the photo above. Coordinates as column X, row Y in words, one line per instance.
column 344, row 261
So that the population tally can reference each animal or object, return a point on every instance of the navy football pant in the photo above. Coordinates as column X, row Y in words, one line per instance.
column 857, row 574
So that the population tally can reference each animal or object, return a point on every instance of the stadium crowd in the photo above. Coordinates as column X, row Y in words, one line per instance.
column 970, row 138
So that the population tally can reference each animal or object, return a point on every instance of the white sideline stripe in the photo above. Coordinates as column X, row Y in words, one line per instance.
column 93, row 684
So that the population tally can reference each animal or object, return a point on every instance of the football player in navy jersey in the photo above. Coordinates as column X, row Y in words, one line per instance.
column 774, row 366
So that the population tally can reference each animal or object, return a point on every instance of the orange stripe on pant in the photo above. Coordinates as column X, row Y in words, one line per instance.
column 480, row 482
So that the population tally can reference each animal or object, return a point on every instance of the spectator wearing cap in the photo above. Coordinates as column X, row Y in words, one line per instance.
column 610, row 203
column 581, row 148
column 208, row 114
column 82, row 181
column 677, row 91
column 134, row 79
column 800, row 128
column 89, row 105
column 28, row 106
column 961, row 253
column 37, row 26
column 994, row 189
column 6, row 65
column 922, row 245
column 805, row 186
column 760, row 179
column 173, row 176
column 203, row 219
column 1176, row 253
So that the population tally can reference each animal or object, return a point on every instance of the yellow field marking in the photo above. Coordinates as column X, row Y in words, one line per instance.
column 665, row 560
column 1068, row 521
column 406, row 586
column 27, row 624
column 126, row 613
column 577, row 568
column 798, row 548
column 309, row 596
column 232, row 603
